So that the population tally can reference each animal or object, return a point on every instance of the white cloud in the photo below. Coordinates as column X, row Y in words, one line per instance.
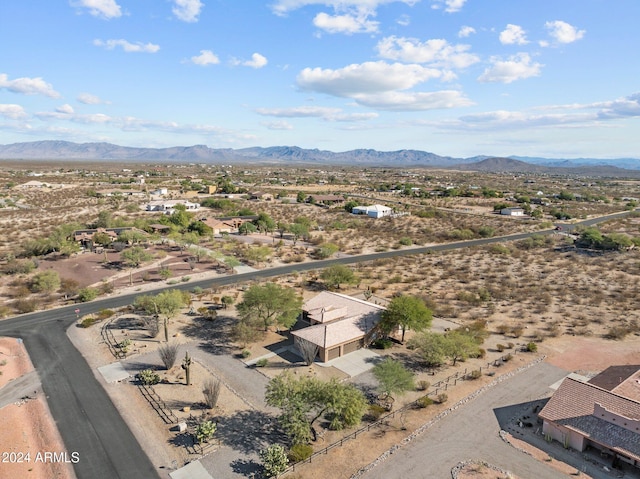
column 187, row 10
column 326, row 113
column 28, row 86
column 12, row 111
column 257, row 61
column 562, row 32
column 348, row 23
column 513, row 35
column 282, row 7
column 620, row 108
column 127, row 46
column 436, row 51
column 66, row 109
column 89, row 99
column 450, row 6
column 206, row 57
column 403, row 20
column 100, row 8
column 517, row 67
column 466, row 31
column 365, row 78
column 414, row 101
column 278, row 125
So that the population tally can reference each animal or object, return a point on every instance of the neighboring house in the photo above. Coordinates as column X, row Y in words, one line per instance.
column 85, row 237
column 226, row 225
column 259, row 195
column 209, row 189
column 119, row 192
column 34, row 184
column 512, row 211
column 603, row 413
column 168, row 206
column 338, row 324
column 159, row 192
column 374, row 211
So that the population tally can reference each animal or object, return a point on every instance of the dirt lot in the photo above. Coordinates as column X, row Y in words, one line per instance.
column 27, row 425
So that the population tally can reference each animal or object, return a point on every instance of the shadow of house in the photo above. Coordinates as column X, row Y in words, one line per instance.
column 337, row 324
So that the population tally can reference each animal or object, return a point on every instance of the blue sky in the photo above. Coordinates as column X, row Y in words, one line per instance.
column 554, row 78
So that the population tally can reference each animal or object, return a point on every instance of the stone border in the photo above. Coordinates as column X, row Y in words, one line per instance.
column 461, row 465
column 385, row 455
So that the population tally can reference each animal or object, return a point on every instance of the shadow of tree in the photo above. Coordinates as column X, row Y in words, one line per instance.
column 248, row 468
column 216, row 336
column 410, row 361
column 249, row 431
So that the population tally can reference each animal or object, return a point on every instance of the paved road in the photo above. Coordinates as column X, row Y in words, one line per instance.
column 472, row 433
column 87, row 419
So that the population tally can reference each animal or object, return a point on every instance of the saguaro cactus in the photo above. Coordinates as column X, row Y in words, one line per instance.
column 186, row 365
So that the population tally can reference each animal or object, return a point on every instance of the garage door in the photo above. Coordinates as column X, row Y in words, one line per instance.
column 333, row 353
column 352, row 346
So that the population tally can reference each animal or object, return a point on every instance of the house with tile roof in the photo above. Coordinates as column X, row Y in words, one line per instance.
column 603, row 413
column 337, row 324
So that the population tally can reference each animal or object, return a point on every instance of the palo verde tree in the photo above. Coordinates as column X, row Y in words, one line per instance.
column 165, row 305
column 338, row 274
column 406, row 312
column 269, row 304
column 133, row 258
column 393, row 377
column 302, row 401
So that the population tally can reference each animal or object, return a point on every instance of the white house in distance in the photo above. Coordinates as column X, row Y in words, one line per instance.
column 338, row 324
column 373, row 211
column 512, row 211
column 168, row 206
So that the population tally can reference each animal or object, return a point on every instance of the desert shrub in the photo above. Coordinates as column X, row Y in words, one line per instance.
column 423, row 385
column 88, row 321
column 424, row 401
column 507, row 357
column 442, row 398
column 245, row 353
column 104, row 314
column 532, row 347
column 503, row 328
column 87, row 294
column 375, row 411
column 300, row 452
column 475, row 374
column 148, row 377
column 25, row 305
column 405, row 241
column 274, row 460
column 510, row 345
column 617, row 332
column 517, row 331
column 205, row 431
column 262, row 362
column 500, row 347
column 45, row 281
column 382, row 343
column 16, row 266
column 168, row 354
column 211, row 391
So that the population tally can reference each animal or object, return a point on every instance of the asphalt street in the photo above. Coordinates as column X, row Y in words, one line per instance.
column 87, row 419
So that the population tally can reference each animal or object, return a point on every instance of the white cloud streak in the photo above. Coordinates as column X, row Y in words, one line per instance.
column 100, row 8
column 282, row 7
column 516, row 67
column 466, row 31
column 127, row 46
column 28, row 86
column 347, row 23
column 257, row 61
column 89, row 99
column 187, row 10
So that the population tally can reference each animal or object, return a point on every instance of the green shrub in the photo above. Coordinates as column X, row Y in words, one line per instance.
column 205, row 431
column 245, row 353
column 442, row 398
column 148, row 377
column 300, row 452
column 262, row 362
column 88, row 321
column 532, row 347
column 382, row 343
column 423, row 385
column 405, row 241
column 424, row 401
column 375, row 411
column 87, row 294
column 475, row 374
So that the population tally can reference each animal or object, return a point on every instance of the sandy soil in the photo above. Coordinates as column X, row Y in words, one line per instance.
column 28, row 430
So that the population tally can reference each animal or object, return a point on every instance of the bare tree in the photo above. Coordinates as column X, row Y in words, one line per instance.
column 152, row 324
column 307, row 350
column 168, row 354
column 211, row 391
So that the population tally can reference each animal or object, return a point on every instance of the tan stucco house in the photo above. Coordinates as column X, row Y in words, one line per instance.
column 337, row 324
column 603, row 413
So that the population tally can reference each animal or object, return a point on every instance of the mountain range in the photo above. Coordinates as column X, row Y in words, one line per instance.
column 290, row 155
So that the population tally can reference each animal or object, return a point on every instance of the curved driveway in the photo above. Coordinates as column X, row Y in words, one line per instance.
column 86, row 418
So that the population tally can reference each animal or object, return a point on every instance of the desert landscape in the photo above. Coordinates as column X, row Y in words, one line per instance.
column 548, row 297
